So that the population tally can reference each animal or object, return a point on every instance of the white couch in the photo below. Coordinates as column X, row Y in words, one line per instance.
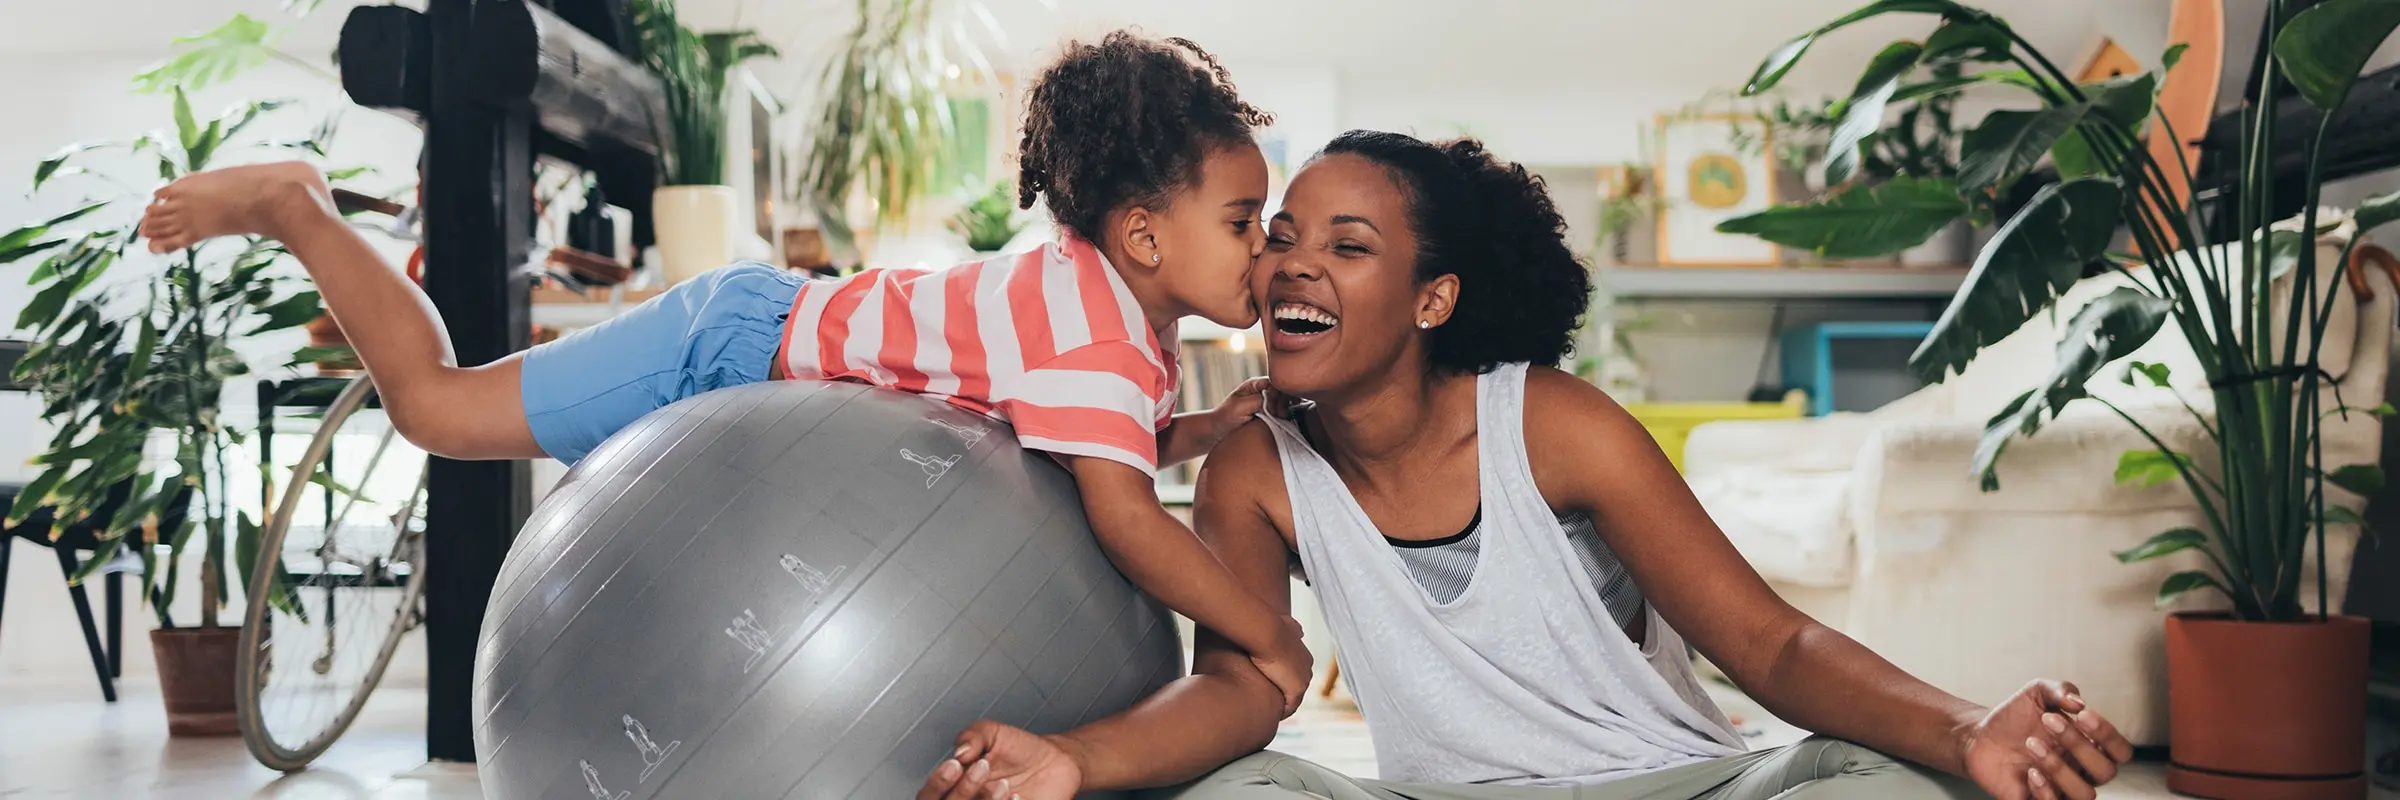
column 1873, row 524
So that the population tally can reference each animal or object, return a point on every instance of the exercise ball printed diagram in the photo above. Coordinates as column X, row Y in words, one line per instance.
column 799, row 590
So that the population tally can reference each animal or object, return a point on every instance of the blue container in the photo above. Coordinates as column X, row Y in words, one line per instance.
column 1851, row 366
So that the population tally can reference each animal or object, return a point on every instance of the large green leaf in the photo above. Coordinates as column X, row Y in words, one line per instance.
column 2150, row 467
column 1779, row 62
column 290, row 312
column 2178, row 584
column 1969, row 40
column 2359, row 479
column 2323, row 48
column 2009, row 143
column 1859, row 223
column 1862, row 115
column 2032, row 258
column 240, row 44
column 2375, row 212
column 2172, row 541
column 2111, row 327
column 2125, row 101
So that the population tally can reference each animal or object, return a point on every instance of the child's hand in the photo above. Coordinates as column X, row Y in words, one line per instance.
column 1288, row 666
column 1253, row 396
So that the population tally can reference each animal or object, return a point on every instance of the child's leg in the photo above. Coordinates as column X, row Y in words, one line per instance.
column 560, row 399
column 459, row 412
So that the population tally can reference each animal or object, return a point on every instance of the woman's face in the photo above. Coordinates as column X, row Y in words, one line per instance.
column 1337, row 281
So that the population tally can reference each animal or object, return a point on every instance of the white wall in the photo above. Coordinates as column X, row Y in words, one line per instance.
column 55, row 100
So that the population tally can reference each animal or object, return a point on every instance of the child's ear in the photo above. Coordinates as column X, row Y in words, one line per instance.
column 1438, row 301
column 1138, row 233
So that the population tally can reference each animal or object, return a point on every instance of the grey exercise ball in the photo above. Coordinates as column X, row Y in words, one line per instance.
column 799, row 590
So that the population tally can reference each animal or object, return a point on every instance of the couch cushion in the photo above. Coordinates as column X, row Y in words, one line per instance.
column 1792, row 526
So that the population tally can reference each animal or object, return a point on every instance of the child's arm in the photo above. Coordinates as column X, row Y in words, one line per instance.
column 1162, row 557
column 1189, row 436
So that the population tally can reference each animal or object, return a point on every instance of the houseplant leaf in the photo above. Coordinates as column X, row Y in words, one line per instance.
column 2377, row 211
column 2323, row 48
column 2125, row 101
column 187, row 130
column 2173, row 56
column 1862, row 116
column 1863, row 222
column 290, row 312
column 2032, row 258
column 2283, row 251
column 1780, row 61
column 2009, row 143
column 2150, row 467
column 2111, row 327
column 2359, row 479
column 2343, row 515
column 1969, row 40
column 49, row 167
column 229, row 49
column 2156, row 374
column 2172, row 541
column 2178, row 584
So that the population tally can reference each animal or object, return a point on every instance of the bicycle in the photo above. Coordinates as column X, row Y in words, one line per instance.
column 322, row 594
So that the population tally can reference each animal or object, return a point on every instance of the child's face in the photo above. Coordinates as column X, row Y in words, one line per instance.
column 1211, row 235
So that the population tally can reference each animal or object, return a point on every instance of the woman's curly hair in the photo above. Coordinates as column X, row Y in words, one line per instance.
column 1521, row 292
column 1124, row 123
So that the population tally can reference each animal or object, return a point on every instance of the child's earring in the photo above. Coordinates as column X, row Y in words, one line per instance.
column 1424, row 325
column 1153, row 258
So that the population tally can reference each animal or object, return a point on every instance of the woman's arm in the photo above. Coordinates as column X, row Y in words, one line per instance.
column 1226, row 709
column 1589, row 454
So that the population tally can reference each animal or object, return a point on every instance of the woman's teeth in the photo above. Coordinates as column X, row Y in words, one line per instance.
column 1295, row 318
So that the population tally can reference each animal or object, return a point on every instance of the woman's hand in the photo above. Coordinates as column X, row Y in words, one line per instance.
column 2044, row 744
column 1001, row 762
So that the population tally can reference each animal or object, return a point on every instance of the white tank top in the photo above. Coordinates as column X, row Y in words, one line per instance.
column 1520, row 679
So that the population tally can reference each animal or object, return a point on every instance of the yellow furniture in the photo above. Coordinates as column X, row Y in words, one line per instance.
column 1672, row 423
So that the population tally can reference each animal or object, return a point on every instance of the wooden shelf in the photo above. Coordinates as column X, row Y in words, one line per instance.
column 550, row 295
column 1778, row 282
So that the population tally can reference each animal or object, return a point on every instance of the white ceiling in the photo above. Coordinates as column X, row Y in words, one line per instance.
column 1679, row 42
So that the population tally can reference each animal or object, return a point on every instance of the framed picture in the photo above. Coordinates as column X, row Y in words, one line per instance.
column 1705, row 178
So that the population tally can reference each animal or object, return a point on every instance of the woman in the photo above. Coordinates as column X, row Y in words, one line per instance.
column 1509, row 565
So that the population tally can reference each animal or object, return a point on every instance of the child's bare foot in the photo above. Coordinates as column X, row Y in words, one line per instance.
column 261, row 199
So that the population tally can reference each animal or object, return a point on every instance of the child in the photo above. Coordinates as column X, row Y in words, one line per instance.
column 1144, row 154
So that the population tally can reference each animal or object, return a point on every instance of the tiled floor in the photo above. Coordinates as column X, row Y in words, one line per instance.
column 62, row 743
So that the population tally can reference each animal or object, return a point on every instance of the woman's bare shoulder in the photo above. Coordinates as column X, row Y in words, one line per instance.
column 1244, row 476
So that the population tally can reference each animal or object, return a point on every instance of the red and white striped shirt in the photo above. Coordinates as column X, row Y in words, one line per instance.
column 1050, row 341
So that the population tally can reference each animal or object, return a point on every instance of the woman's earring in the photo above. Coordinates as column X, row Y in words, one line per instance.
column 1153, row 258
column 1423, row 325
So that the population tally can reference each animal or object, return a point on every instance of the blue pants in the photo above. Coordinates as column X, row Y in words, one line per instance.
column 717, row 330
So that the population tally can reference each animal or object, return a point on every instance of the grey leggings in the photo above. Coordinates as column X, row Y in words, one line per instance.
column 1814, row 769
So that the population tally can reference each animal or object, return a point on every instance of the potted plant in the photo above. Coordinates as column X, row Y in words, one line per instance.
column 2266, row 698
column 884, row 128
column 989, row 221
column 696, row 217
column 149, row 352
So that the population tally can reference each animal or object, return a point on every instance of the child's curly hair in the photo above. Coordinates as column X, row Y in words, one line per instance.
column 1124, row 123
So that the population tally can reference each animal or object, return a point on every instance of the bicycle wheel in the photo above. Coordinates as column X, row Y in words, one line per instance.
column 330, row 597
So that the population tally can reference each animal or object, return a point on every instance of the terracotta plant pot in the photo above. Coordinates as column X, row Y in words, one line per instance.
column 2267, row 710
column 195, row 672
column 324, row 332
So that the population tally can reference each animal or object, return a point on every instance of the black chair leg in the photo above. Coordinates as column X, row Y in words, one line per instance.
column 91, row 632
column 116, row 625
column 7, row 543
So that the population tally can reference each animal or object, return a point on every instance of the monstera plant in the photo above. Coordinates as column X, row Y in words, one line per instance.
column 2263, row 489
